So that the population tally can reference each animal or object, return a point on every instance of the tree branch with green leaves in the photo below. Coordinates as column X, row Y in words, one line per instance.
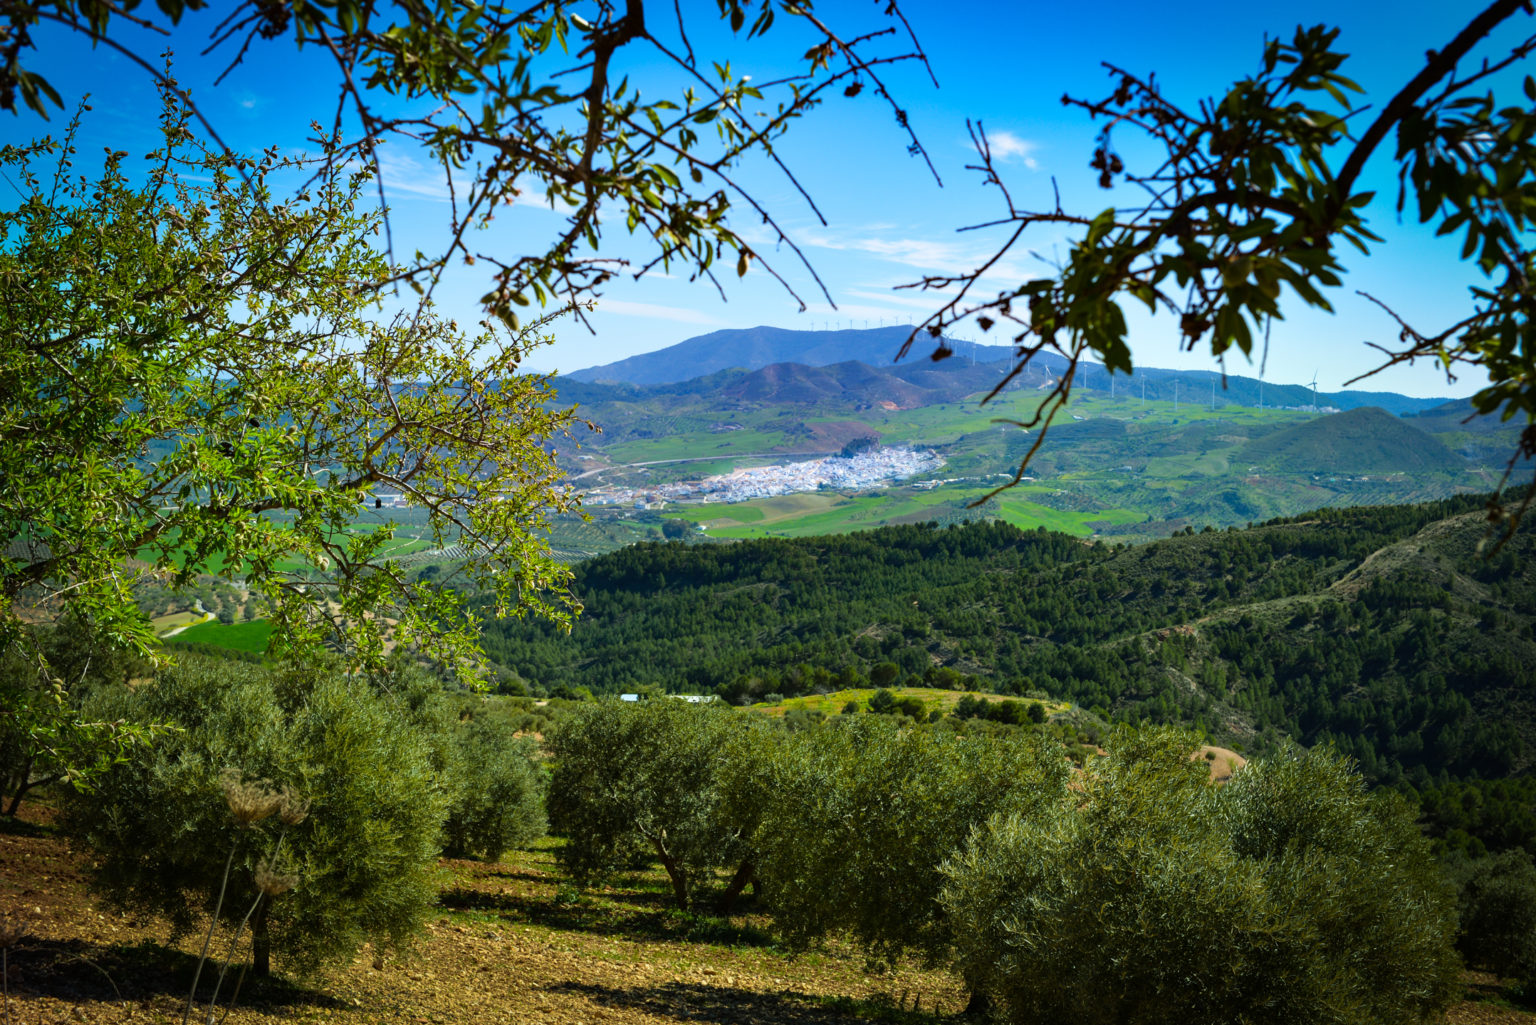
column 1251, row 199
column 184, row 357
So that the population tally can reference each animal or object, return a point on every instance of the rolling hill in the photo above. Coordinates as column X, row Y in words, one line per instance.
column 757, row 347
column 1362, row 440
column 1385, row 631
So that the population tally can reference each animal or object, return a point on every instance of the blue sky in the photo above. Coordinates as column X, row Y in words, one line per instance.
column 1007, row 64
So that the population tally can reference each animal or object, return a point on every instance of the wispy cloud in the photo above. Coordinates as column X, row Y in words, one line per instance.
column 1007, row 146
column 924, row 253
column 404, row 174
column 653, row 311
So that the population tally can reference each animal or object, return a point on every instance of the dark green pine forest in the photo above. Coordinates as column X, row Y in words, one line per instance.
column 1388, row 632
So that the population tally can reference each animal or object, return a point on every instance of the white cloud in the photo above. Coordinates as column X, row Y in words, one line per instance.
column 1006, row 146
column 927, row 254
column 403, row 173
column 653, row 311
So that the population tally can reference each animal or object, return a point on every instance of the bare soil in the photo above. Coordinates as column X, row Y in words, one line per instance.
column 513, row 943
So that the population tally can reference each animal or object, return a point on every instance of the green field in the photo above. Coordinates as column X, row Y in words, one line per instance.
column 830, row 512
column 833, row 704
column 252, row 636
column 175, row 620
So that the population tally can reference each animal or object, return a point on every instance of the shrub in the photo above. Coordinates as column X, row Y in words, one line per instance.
column 362, row 860
column 1498, row 914
column 1288, row 895
column 636, row 780
column 857, row 818
column 497, row 793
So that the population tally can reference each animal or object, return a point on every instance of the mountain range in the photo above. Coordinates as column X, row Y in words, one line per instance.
column 772, row 364
column 1130, row 458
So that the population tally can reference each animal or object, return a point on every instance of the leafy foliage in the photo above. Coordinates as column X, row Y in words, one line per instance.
column 498, row 795
column 362, row 861
column 1383, row 630
column 180, row 357
column 1252, row 194
column 44, row 735
column 861, row 813
column 1498, row 914
column 1152, row 896
column 495, row 110
column 633, row 781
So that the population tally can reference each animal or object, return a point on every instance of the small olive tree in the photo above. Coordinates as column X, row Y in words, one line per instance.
column 44, row 736
column 169, row 830
column 862, row 814
column 1498, row 914
column 497, row 791
column 633, row 781
column 1291, row 894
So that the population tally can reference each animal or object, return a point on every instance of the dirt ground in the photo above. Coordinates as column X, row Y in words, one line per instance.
column 512, row 944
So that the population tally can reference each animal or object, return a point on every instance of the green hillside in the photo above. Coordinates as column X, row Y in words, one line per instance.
column 1382, row 630
column 1364, row 440
column 1115, row 464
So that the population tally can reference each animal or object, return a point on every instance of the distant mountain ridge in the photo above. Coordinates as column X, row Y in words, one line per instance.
column 727, row 360
column 757, row 347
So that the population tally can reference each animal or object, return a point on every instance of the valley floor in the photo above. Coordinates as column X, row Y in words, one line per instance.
column 513, row 943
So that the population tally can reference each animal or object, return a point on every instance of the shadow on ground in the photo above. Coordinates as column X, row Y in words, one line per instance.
column 686, row 1001
column 78, row 971
column 634, row 917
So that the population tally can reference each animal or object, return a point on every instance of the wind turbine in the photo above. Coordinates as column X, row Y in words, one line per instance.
column 1314, row 391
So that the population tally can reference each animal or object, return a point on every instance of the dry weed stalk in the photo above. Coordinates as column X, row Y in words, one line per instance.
column 10, row 935
column 249, row 803
column 271, row 881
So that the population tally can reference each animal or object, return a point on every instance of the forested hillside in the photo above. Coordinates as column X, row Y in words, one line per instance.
column 1384, row 630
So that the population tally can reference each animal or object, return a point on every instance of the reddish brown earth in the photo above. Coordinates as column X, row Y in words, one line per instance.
column 512, row 944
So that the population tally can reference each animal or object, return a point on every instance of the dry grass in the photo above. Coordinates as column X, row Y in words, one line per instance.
column 1223, row 761
column 512, row 943
column 932, row 698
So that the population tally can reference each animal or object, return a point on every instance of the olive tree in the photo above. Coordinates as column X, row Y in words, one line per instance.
column 1498, row 914
column 497, row 797
column 635, row 781
column 861, row 814
column 1147, row 894
column 174, row 827
column 44, row 736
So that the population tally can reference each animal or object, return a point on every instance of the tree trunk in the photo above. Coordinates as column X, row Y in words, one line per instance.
column 261, row 942
column 674, row 872
column 739, row 881
column 25, row 784
column 978, row 1006
column 21, row 788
